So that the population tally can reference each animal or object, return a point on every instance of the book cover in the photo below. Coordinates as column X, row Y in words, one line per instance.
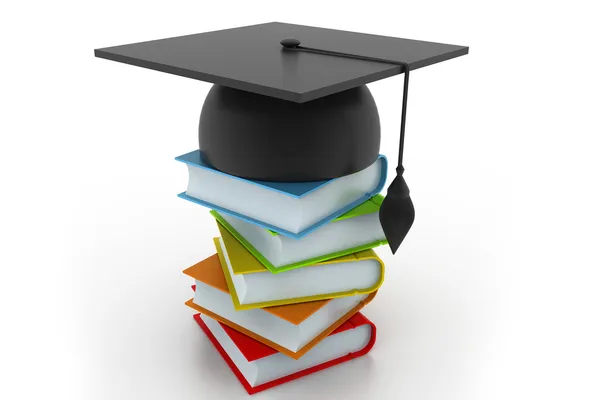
column 370, row 206
column 209, row 271
column 243, row 262
column 294, row 190
column 253, row 350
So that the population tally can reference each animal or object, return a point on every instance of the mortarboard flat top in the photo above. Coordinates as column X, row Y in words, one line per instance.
column 251, row 58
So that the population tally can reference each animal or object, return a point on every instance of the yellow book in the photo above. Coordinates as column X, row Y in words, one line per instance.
column 252, row 286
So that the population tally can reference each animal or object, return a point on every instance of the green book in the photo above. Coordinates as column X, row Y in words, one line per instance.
column 357, row 230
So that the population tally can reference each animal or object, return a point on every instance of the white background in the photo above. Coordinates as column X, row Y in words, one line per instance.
column 493, row 295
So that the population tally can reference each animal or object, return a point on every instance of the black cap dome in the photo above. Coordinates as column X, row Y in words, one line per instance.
column 265, row 138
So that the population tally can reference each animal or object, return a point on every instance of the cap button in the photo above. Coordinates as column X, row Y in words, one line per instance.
column 290, row 43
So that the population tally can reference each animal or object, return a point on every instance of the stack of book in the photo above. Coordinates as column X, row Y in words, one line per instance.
column 293, row 267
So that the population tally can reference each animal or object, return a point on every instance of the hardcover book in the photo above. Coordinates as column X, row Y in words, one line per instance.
column 259, row 367
column 291, row 209
column 292, row 329
column 358, row 229
column 252, row 285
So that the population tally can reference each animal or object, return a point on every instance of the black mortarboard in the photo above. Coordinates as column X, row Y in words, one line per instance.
column 290, row 101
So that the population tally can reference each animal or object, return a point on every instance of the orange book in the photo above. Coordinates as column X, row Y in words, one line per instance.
column 290, row 329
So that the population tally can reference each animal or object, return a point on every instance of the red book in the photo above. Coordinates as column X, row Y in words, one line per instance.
column 259, row 367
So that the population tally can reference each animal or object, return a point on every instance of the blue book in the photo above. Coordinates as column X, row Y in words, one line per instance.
column 290, row 209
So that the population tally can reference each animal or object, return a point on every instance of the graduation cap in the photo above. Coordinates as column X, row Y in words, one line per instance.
column 290, row 102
